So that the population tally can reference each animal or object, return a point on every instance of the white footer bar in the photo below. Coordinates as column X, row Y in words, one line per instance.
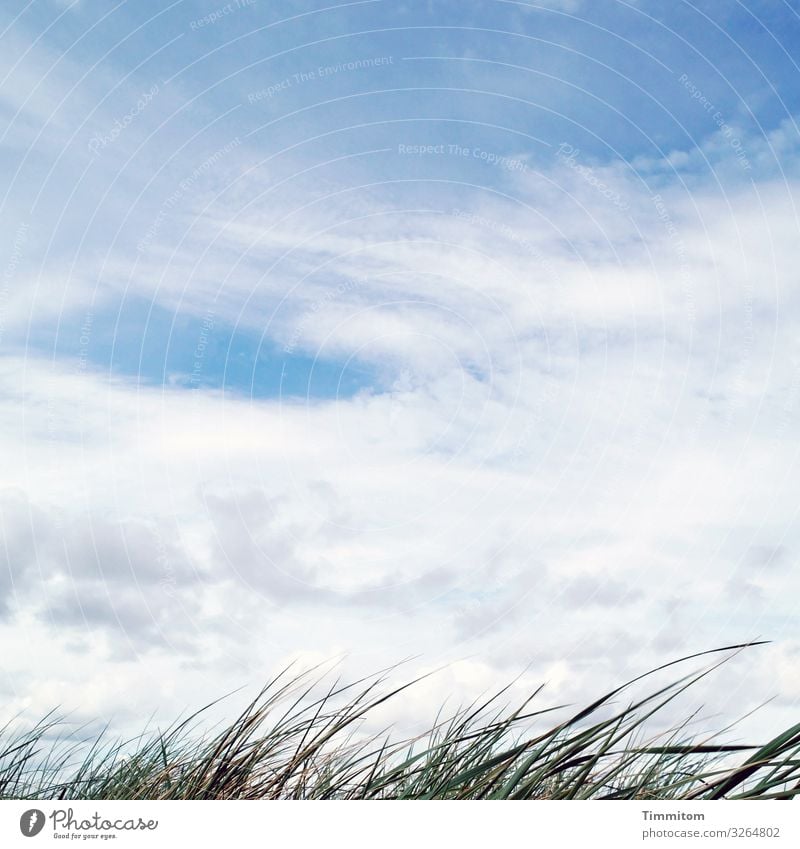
column 410, row 825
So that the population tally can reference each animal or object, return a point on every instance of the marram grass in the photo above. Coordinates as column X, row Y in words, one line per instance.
column 290, row 743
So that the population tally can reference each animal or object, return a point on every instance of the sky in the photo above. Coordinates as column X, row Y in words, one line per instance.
column 457, row 334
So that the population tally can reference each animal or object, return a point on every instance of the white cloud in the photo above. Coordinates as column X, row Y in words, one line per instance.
column 581, row 428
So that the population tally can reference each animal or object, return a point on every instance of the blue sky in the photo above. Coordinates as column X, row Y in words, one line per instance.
column 460, row 331
column 503, row 83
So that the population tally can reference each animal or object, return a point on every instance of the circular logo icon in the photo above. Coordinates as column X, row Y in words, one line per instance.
column 31, row 822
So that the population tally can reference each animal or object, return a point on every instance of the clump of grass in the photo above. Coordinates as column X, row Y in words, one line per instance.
column 290, row 743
